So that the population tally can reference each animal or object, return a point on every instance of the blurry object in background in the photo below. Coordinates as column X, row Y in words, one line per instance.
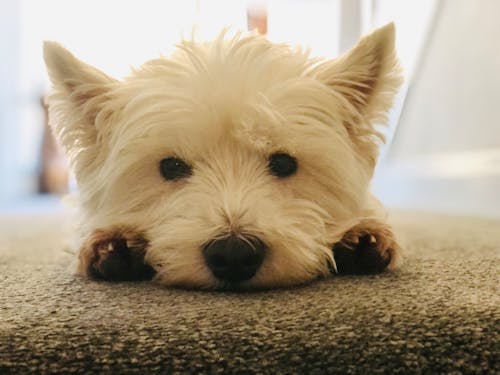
column 257, row 17
column 53, row 177
column 313, row 24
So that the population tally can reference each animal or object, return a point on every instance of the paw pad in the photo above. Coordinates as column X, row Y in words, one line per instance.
column 118, row 259
column 361, row 257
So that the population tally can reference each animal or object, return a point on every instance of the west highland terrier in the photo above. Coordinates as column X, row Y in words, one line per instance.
column 233, row 164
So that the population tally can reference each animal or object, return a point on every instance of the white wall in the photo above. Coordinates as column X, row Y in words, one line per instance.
column 454, row 101
column 445, row 155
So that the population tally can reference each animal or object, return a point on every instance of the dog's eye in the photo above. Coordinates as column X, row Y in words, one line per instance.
column 282, row 165
column 173, row 169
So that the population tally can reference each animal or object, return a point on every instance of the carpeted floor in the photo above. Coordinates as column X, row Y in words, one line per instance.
column 439, row 314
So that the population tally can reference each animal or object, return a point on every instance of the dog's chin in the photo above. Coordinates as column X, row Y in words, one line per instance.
column 255, row 284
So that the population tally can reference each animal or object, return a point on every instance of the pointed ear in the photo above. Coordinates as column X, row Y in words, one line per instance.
column 366, row 80
column 79, row 95
column 85, row 86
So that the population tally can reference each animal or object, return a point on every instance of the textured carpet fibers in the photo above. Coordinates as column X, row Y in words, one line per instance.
column 439, row 314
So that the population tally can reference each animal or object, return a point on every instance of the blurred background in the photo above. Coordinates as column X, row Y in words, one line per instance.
column 443, row 149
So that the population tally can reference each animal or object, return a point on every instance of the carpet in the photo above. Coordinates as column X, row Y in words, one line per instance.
column 440, row 313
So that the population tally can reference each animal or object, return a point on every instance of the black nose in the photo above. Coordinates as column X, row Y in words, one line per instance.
column 235, row 258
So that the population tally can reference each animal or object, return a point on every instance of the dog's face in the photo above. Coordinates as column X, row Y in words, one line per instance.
column 242, row 161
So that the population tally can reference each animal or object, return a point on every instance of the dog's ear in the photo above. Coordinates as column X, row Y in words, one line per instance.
column 85, row 87
column 76, row 105
column 366, row 80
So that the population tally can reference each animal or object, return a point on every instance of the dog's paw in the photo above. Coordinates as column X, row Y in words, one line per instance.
column 365, row 253
column 116, row 255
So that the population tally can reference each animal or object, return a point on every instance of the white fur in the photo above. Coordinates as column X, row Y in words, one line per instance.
column 224, row 107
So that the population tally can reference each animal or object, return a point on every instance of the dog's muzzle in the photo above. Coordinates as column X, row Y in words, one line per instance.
column 235, row 258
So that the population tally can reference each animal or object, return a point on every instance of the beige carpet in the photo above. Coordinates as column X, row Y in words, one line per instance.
column 439, row 314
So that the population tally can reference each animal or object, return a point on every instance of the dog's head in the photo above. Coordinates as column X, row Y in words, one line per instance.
column 241, row 160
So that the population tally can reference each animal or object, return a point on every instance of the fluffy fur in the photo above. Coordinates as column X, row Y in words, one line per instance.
column 224, row 107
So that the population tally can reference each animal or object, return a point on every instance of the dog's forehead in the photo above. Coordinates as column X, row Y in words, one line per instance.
column 251, row 59
column 224, row 76
column 189, row 127
column 244, row 90
column 179, row 123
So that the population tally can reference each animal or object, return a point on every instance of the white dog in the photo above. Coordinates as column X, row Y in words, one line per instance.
column 238, row 163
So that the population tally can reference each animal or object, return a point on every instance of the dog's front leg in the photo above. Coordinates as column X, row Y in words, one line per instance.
column 367, row 248
column 115, row 254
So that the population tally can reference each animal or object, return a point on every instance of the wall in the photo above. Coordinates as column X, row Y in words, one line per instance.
column 445, row 155
column 454, row 102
